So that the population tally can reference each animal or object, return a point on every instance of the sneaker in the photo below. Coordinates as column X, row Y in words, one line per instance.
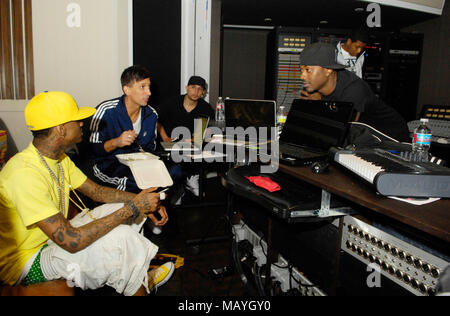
column 192, row 184
column 160, row 276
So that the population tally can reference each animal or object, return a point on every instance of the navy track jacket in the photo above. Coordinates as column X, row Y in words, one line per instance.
column 110, row 121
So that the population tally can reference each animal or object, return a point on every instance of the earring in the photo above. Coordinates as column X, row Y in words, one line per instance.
column 63, row 132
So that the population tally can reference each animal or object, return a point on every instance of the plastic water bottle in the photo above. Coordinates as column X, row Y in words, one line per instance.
column 220, row 110
column 422, row 140
column 281, row 118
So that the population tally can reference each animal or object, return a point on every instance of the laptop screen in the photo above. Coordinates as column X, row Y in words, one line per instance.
column 246, row 113
column 317, row 124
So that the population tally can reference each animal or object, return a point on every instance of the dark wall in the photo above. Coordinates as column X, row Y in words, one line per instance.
column 435, row 77
column 401, row 75
column 244, row 63
column 157, row 44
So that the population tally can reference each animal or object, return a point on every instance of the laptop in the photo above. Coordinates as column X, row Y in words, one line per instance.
column 247, row 113
column 198, row 138
column 312, row 128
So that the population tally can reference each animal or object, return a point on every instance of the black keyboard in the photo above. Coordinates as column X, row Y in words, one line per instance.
column 393, row 175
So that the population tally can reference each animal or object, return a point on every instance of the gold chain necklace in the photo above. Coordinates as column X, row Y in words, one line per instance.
column 61, row 191
column 61, row 198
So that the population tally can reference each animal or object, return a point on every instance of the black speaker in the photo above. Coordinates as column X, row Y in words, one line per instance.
column 401, row 77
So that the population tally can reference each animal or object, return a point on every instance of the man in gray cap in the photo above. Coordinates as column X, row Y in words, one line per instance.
column 324, row 78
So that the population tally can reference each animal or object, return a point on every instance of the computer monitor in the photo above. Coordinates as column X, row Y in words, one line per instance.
column 246, row 113
column 317, row 124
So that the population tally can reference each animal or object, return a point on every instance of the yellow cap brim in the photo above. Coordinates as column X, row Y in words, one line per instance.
column 49, row 109
column 84, row 113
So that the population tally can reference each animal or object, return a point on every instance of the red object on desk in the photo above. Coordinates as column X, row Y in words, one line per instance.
column 265, row 183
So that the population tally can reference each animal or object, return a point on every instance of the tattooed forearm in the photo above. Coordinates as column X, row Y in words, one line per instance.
column 143, row 204
column 61, row 232
column 74, row 239
column 104, row 194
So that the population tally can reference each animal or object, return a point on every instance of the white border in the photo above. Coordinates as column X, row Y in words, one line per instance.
column 188, row 38
column 203, row 40
column 409, row 5
column 130, row 33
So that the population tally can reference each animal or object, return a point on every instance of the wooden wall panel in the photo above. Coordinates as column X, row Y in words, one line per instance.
column 16, row 50
column 18, row 47
column 6, row 55
column 29, row 48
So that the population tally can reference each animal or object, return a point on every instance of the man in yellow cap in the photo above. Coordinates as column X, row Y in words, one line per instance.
column 38, row 242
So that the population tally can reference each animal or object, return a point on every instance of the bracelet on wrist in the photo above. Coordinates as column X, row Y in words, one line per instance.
column 134, row 208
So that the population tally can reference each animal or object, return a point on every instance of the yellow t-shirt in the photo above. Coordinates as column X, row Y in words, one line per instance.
column 28, row 195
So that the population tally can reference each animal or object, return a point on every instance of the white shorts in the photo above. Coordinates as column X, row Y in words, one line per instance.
column 120, row 259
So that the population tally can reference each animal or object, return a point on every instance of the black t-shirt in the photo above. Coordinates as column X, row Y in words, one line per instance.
column 172, row 114
column 374, row 112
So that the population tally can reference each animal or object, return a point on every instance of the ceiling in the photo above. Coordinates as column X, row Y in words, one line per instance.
column 309, row 13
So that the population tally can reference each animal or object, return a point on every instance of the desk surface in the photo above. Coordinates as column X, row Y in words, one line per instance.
column 433, row 218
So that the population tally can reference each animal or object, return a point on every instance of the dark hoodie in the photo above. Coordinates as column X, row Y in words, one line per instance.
column 374, row 112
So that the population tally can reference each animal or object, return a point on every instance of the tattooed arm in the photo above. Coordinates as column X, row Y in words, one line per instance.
column 74, row 239
column 104, row 194
column 109, row 195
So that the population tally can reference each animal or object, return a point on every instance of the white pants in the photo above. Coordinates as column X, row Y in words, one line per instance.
column 119, row 259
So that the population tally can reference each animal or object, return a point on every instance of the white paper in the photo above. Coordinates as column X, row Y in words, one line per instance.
column 127, row 158
column 148, row 171
column 206, row 155
column 415, row 201
column 150, row 174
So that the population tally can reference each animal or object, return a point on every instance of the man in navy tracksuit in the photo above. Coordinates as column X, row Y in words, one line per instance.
column 123, row 125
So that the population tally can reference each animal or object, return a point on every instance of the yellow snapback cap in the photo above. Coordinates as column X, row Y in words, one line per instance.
column 50, row 109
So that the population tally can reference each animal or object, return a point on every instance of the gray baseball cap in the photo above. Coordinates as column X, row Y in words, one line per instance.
column 320, row 54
